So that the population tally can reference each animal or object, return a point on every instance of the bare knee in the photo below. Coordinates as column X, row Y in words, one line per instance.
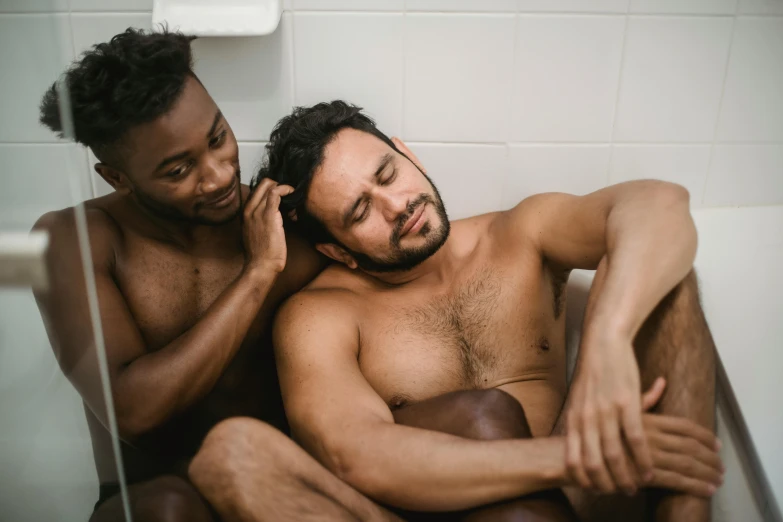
column 230, row 447
column 493, row 414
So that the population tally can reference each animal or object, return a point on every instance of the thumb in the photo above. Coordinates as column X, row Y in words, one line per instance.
column 654, row 394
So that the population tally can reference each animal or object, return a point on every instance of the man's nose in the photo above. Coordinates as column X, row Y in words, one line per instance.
column 217, row 176
column 394, row 204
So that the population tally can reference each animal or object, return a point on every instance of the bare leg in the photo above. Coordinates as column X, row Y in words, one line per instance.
column 675, row 342
column 485, row 415
column 164, row 499
column 251, row 472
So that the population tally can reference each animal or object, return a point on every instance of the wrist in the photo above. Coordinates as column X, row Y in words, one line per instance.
column 261, row 274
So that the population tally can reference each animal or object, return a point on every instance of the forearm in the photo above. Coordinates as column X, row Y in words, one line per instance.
column 160, row 384
column 651, row 246
column 430, row 471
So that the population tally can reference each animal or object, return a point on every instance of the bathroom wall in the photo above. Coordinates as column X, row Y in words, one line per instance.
column 499, row 99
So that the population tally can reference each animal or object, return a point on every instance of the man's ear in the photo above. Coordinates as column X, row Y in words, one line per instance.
column 337, row 253
column 405, row 150
column 117, row 179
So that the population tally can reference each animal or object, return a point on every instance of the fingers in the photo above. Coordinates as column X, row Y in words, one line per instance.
column 574, row 455
column 614, row 453
column 258, row 196
column 689, row 448
column 592, row 454
column 654, row 394
column 677, row 482
column 687, row 428
column 636, row 439
column 273, row 198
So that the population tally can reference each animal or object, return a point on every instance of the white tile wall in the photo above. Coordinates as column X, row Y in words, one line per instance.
column 683, row 164
column 752, row 108
column 672, row 77
column 354, row 57
column 111, row 5
column 462, row 5
column 761, row 7
column 458, row 77
column 565, row 77
column 36, row 64
column 93, row 28
column 33, row 6
column 726, row 7
column 469, row 178
column 349, row 5
column 577, row 169
column 573, row 6
column 254, row 87
column 250, row 154
column 745, row 175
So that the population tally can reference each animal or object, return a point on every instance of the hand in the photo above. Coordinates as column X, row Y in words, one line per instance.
column 265, row 245
column 685, row 455
column 607, row 407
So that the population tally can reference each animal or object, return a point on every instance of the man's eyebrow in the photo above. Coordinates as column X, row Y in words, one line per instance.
column 385, row 160
column 215, row 122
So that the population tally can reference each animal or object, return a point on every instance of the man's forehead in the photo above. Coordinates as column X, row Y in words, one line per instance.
column 348, row 160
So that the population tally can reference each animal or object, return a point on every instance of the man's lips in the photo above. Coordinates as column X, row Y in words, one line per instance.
column 223, row 200
column 414, row 220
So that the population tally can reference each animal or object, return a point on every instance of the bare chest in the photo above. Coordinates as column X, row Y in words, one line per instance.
column 491, row 328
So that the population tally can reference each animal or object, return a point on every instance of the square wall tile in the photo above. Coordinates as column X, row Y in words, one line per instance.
column 672, row 76
column 250, row 156
column 745, row 175
column 349, row 5
column 249, row 78
column 565, row 77
column 726, row 7
column 34, row 51
column 36, row 180
column 111, row 5
column 354, row 57
column 683, row 164
column 458, row 71
column 466, row 6
column 33, row 6
column 573, row 169
column 773, row 7
column 573, row 6
column 93, row 28
column 469, row 177
column 753, row 96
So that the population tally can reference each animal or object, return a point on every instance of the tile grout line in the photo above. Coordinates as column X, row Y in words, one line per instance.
column 720, row 105
column 623, row 52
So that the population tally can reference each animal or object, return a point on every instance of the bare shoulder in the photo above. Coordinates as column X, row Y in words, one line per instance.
column 103, row 232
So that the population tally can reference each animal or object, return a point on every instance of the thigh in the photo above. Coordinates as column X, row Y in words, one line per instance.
column 163, row 499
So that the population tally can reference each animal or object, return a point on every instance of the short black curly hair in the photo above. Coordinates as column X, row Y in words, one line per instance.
column 132, row 79
column 295, row 150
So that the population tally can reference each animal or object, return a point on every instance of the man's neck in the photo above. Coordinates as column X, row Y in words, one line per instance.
column 438, row 268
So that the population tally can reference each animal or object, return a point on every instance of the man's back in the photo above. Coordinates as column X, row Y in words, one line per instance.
column 494, row 319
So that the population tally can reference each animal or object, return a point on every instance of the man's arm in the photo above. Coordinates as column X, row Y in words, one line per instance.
column 642, row 239
column 644, row 229
column 337, row 416
column 148, row 387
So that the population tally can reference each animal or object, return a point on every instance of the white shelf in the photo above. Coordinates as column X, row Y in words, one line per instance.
column 219, row 17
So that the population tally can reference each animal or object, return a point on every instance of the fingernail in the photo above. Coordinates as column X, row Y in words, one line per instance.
column 649, row 476
column 718, row 444
column 711, row 489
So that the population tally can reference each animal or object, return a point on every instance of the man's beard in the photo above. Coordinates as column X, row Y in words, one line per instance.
column 168, row 213
column 403, row 259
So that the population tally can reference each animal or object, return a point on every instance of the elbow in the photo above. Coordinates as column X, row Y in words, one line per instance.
column 133, row 419
column 354, row 466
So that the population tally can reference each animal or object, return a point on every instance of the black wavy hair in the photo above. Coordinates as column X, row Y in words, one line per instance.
column 132, row 79
column 295, row 151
